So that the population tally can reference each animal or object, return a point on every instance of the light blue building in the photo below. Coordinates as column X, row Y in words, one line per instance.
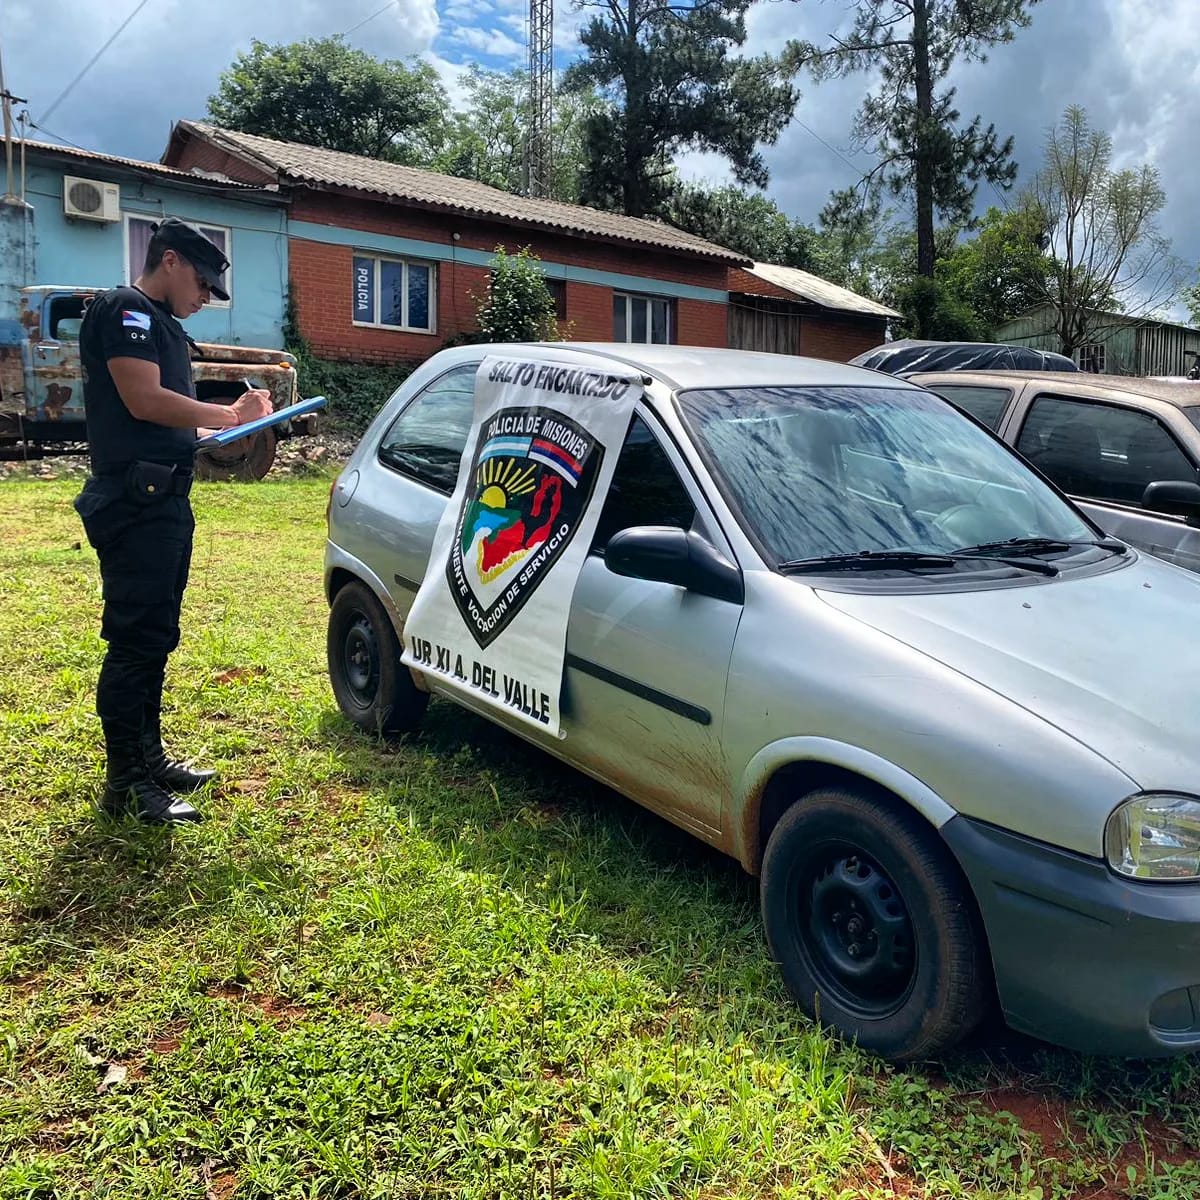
column 86, row 222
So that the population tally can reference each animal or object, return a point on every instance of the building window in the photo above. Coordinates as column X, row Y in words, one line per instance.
column 1091, row 357
column 137, row 241
column 393, row 293
column 646, row 319
column 558, row 289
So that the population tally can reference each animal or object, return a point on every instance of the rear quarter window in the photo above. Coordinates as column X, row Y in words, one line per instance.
column 986, row 404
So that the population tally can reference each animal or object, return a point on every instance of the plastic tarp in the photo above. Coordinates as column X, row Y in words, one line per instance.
column 908, row 356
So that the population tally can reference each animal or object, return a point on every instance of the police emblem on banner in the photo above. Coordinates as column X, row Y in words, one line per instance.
column 533, row 472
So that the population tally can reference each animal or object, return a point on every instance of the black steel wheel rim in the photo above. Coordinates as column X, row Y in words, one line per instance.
column 360, row 660
column 855, row 932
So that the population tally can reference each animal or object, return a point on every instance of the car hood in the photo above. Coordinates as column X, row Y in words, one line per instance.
column 1110, row 659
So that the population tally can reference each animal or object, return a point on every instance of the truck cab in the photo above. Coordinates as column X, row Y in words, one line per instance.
column 41, row 384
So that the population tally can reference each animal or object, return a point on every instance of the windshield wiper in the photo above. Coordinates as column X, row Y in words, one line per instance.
column 868, row 560
column 909, row 560
column 1043, row 545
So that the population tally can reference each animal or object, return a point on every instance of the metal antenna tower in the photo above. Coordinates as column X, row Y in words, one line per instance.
column 539, row 150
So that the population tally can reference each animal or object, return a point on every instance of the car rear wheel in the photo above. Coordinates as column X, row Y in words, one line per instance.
column 373, row 689
column 871, row 925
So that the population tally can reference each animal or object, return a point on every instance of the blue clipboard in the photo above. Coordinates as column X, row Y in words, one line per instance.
column 224, row 436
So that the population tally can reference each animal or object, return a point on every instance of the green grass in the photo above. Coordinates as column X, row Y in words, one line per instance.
column 446, row 967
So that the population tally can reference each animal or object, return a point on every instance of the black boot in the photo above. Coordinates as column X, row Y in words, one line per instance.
column 174, row 776
column 130, row 792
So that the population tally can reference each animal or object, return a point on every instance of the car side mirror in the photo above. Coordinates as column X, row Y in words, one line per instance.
column 667, row 555
column 1176, row 496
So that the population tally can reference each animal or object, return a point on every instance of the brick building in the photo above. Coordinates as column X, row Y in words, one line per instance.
column 385, row 260
column 788, row 311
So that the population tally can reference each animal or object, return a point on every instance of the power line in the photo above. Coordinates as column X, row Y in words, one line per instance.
column 377, row 12
column 56, row 136
column 92, row 62
column 832, row 149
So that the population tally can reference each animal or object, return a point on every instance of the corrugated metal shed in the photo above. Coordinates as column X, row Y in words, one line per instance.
column 1130, row 345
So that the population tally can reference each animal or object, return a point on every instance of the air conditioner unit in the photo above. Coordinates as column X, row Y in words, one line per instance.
column 91, row 200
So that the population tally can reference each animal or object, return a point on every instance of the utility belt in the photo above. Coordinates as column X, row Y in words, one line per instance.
column 147, row 482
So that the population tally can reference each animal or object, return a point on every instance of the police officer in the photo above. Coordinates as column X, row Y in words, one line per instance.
column 142, row 417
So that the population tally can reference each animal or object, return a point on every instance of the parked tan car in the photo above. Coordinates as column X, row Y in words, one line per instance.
column 1127, row 449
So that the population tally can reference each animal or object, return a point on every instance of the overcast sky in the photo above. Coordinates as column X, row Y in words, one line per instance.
column 1132, row 63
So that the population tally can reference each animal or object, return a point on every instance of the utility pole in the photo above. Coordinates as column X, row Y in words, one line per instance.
column 539, row 150
column 7, row 99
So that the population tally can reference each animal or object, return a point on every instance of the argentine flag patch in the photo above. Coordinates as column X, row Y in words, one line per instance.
column 135, row 320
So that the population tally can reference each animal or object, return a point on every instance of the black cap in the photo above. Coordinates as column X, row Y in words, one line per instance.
column 197, row 249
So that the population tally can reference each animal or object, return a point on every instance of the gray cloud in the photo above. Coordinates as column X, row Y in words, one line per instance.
column 167, row 63
column 1132, row 63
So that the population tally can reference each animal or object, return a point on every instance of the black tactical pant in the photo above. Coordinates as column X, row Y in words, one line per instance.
column 145, row 551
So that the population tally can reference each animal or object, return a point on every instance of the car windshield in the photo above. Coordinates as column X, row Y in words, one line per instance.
column 840, row 470
column 1194, row 415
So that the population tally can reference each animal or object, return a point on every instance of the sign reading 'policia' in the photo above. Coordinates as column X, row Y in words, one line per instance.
column 515, row 534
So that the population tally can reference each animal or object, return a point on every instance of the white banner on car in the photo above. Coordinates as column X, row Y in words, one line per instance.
column 490, row 618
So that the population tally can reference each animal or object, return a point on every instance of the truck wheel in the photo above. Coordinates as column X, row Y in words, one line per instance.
column 247, row 459
column 871, row 924
column 372, row 687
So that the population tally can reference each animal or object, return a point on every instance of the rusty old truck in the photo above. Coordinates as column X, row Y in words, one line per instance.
column 41, row 389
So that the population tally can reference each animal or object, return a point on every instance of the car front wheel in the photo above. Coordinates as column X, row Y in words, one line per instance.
column 871, row 924
column 373, row 689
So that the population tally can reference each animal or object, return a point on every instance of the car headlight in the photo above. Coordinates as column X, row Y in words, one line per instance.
column 1155, row 837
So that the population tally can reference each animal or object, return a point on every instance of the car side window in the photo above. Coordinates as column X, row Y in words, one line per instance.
column 985, row 404
column 646, row 490
column 1100, row 451
column 427, row 439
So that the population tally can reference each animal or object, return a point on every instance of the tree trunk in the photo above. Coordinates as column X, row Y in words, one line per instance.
column 924, row 165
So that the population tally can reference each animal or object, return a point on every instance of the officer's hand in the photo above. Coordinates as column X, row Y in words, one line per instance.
column 249, row 406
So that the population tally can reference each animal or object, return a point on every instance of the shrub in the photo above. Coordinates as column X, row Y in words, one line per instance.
column 518, row 306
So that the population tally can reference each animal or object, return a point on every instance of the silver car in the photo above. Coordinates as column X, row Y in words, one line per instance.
column 837, row 629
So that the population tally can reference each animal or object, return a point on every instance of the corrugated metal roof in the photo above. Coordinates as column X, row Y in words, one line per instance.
column 819, row 291
column 297, row 163
column 134, row 164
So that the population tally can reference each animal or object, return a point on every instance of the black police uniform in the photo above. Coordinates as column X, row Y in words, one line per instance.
column 137, row 515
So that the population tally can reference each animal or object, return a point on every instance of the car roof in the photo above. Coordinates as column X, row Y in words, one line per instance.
column 1181, row 392
column 683, row 367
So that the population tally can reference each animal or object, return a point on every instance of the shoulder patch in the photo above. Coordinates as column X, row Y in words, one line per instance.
column 132, row 319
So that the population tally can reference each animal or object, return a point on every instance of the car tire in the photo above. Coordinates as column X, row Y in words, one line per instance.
column 872, row 926
column 373, row 689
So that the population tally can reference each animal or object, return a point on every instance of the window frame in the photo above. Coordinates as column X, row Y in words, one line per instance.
column 1096, row 350
column 1088, row 402
column 227, row 230
column 412, row 476
column 940, row 389
column 648, row 298
column 404, row 261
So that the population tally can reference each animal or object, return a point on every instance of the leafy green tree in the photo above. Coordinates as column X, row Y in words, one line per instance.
column 518, row 306
column 1003, row 270
column 325, row 93
column 924, row 150
column 486, row 140
column 748, row 222
column 671, row 82
column 1191, row 299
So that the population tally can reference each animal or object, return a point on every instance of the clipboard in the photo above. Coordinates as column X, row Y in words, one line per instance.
column 235, row 433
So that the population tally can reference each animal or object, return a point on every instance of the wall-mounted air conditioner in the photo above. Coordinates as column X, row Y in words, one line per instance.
column 91, row 200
